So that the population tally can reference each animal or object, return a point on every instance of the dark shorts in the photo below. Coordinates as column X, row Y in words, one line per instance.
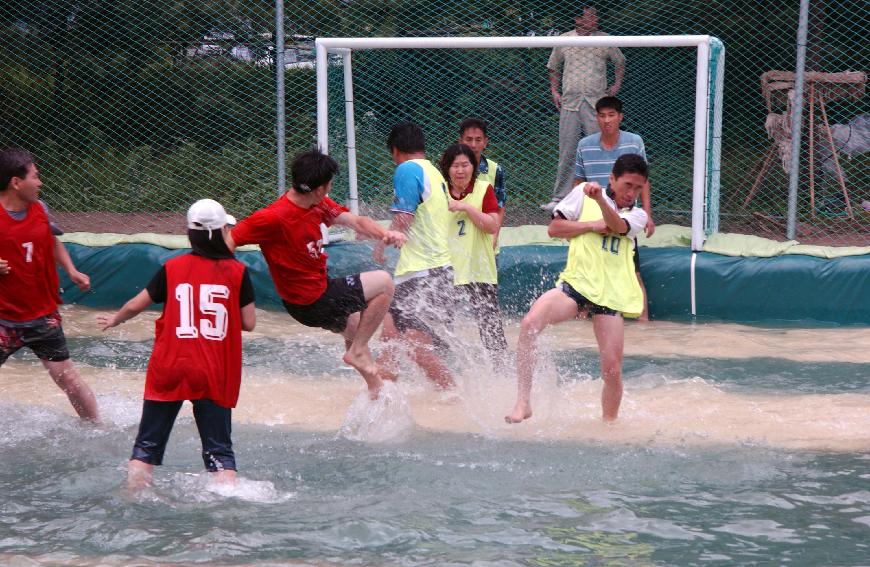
column 342, row 298
column 636, row 257
column 46, row 340
column 212, row 421
column 584, row 303
column 426, row 304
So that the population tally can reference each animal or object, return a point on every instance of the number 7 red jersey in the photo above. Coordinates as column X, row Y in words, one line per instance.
column 31, row 289
column 198, row 338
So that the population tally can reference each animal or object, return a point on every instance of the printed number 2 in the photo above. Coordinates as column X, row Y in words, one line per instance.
column 213, row 331
column 461, row 224
column 28, row 255
column 614, row 244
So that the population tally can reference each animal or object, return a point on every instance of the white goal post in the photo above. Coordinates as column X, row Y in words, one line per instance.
column 702, row 124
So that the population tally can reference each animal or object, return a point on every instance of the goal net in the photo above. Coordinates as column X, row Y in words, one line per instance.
column 671, row 92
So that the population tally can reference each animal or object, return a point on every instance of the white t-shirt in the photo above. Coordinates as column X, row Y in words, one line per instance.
column 572, row 205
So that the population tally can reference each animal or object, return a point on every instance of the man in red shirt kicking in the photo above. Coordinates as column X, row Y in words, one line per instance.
column 288, row 232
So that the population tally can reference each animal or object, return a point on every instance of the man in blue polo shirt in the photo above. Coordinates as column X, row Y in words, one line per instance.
column 596, row 155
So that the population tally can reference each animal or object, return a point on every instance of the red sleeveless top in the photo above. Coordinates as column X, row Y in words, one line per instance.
column 198, row 345
column 32, row 289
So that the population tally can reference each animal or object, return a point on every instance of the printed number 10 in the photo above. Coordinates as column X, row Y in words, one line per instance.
column 614, row 244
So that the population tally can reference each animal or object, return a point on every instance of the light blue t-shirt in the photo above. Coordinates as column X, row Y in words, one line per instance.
column 420, row 190
column 594, row 163
column 410, row 187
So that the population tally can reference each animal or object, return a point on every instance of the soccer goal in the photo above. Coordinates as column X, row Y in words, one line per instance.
column 672, row 92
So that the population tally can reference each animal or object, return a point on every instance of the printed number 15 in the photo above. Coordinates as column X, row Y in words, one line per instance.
column 208, row 293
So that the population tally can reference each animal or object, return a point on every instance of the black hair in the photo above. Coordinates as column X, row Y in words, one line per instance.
column 608, row 102
column 406, row 137
column 209, row 243
column 312, row 169
column 472, row 123
column 630, row 163
column 449, row 156
column 14, row 162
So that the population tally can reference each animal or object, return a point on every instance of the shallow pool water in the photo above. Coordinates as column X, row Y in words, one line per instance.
column 735, row 445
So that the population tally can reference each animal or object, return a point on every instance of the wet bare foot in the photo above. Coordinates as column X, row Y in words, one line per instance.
column 374, row 392
column 521, row 412
column 362, row 362
column 223, row 477
column 138, row 475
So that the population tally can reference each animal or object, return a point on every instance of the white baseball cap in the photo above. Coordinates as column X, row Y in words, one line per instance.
column 208, row 214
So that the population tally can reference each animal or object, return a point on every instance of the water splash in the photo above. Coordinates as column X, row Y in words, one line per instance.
column 119, row 412
column 384, row 420
column 182, row 489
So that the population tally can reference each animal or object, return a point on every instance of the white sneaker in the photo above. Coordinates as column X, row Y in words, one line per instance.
column 549, row 207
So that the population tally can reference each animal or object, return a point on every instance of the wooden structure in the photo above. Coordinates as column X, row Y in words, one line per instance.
column 777, row 88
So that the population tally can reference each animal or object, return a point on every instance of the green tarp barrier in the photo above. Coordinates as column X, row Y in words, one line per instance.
column 730, row 288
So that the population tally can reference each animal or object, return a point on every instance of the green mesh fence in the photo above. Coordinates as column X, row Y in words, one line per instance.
column 135, row 109
column 139, row 108
column 439, row 88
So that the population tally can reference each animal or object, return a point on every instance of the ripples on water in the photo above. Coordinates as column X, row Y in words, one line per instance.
column 420, row 479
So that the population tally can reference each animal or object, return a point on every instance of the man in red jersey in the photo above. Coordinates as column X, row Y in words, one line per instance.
column 288, row 232
column 29, row 285
column 208, row 300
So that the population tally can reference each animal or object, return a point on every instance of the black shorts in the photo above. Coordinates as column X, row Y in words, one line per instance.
column 343, row 297
column 46, row 340
column 584, row 303
column 426, row 304
column 212, row 421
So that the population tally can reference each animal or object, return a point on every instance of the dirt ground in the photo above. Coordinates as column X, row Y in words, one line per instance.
column 122, row 223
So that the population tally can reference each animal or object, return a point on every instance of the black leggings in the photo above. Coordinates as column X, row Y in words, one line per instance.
column 212, row 421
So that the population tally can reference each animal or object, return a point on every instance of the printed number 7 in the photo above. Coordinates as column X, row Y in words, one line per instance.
column 28, row 255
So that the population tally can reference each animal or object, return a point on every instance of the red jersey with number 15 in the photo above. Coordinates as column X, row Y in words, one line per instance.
column 198, row 345
column 32, row 289
column 292, row 244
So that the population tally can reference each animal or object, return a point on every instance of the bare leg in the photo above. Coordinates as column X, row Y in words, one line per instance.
column 139, row 475
column 527, row 356
column 77, row 390
column 388, row 360
column 378, row 290
column 609, row 333
column 429, row 361
column 350, row 330
column 552, row 307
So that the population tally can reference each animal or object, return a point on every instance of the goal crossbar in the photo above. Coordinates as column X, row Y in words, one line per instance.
column 345, row 46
